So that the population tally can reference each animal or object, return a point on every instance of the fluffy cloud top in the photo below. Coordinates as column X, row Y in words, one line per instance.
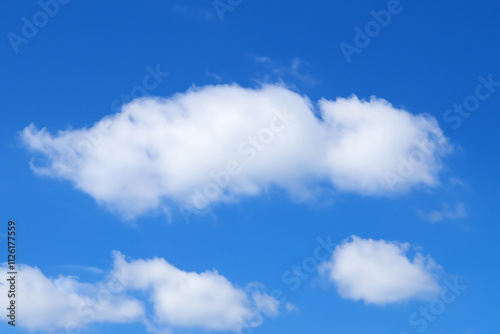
column 179, row 299
column 219, row 143
column 379, row 272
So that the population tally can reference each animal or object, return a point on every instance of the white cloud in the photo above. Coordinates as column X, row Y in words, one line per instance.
column 187, row 299
column 179, row 299
column 446, row 212
column 291, row 307
column 51, row 304
column 380, row 272
column 221, row 143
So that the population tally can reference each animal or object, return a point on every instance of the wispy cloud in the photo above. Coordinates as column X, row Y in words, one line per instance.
column 195, row 12
column 218, row 78
column 446, row 212
column 456, row 182
column 276, row 71
column 89, row 269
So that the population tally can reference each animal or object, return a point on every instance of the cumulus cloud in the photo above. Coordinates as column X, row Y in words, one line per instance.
column 221, row 143
column 51, row 304
column 446, row 212
column 188, row 299
column 380, row 272
column 179, row 299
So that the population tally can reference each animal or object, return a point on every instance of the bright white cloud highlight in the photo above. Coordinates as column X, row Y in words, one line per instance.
column 221, row 143
column 380, row 272
column 179, row 299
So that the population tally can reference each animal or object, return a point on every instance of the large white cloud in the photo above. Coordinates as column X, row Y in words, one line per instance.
column 179, row 299
column 219, row 143
column 380, row 272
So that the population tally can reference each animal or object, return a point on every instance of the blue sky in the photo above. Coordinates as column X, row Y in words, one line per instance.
column 221, row 74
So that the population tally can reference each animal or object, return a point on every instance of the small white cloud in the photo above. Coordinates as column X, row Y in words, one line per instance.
column 380, row 272
column 289, row 307
column 222, row 143
column 178, row 299
column 263, row 59
column 446, row 212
